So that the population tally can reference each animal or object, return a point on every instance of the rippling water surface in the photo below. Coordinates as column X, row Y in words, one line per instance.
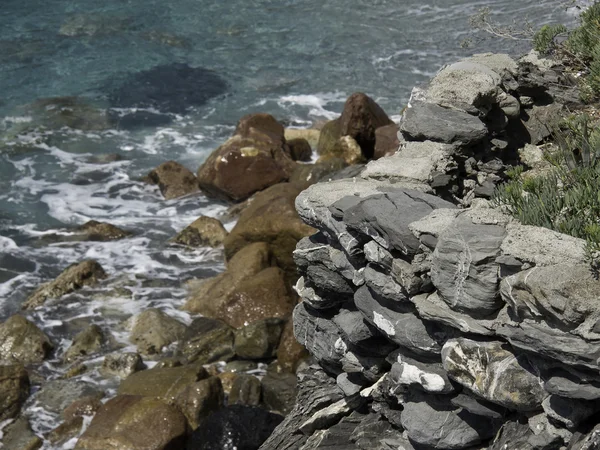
column 296, row 59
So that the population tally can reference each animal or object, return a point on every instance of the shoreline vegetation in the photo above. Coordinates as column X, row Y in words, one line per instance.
column 386, row 285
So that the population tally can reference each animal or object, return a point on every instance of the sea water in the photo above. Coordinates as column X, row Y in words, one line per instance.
column 176, row 76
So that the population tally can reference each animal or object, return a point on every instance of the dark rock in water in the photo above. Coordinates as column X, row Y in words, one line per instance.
column 234, row 427
column 14, row 385
column 169, row 88
column 138, row 119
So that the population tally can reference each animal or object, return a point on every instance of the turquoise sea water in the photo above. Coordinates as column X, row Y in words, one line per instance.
column 175, row 77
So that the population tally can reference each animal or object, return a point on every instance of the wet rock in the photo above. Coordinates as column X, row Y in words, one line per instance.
column 463, row 267
column 279, row 391
column 22, row 341
column 305, row 175
column 492, row 371
column 173, row 180
column 290, row 352
column 235, row 426
column 202, row 232
column 79, row 25
column 74, row 277
column 431, row 122
column 415, row 164
column 73, row 112
column 441, row 426
column 246, row 390
column 253, row 159
column 92, row 230
column 166, row 38
column 171, row 88
column 360, row 118
column 299, row 149
column 85, row 343
column 65, row 431
column 262, row 296
column 19, row 436
column 14, row 386
column 259, row 339
column 122, row 364
column 199, row 400
column 84, row 406
column 386, row 141
column 209, row 295
column 153, row 330
column 56, row 395
column 227, row 380
column 239, row 366
column 166, row 383
column 207, row 340
column 271, row 218
column 135, row 422
column 311, row 135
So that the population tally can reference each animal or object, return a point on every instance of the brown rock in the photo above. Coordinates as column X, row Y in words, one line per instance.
column 85, row 343
column 259, row 297
column 246, row 390
column 271, row 218
column 299, row 149
column 207, row 340
column 131, row 422
column 84, row 406
column 386, row 141
column 74, row 277
column 22, row 341
column 258, row 340
column 310, row 134
column 306, row 175
column 279, row 391
column 166, row 383
column 65, row 431
column 154, row 330
column 290, row 352
column 360, row 118
column 207, row 296
column 253, row 159
column 227, row 381
column 173, row 180
column 202, row 232
column 19, row 436
column 14, row 390
column 199, row 400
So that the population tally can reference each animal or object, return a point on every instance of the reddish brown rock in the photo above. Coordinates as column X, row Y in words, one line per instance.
column 290, row 352
column 202, row 232
column 253, row 159
column 386, row 141
column 299, row 149
column 360, row 118
column 173, row 180
column 132, row 422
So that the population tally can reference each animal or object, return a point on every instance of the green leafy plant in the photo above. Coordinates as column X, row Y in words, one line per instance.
column 544, row 40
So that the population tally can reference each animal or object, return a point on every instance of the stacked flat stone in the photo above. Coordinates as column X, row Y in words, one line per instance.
column 439, row 327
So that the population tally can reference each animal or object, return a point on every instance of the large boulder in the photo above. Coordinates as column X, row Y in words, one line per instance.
column 154, row 329
column 85, row 343
column 22, row 341
column 166, row 382
column 14, row 389
column 208, row 296
column 74, row 277
column 271, row 218
column 290, row 352
column 253, row 159
column 386, row 141
column 202, row 232
column 173, row 180
column 259, row 340
column 259, row 297
column 133, row 422
column 207, row 340
column 360, row 118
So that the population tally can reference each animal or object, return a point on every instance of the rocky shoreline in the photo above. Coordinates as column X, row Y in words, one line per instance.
column 431, row 320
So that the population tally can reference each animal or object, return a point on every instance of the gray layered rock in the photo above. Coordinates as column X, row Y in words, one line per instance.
column 315, row 250
column 360, row 333
column 492, row 371
column 415, row 165
column 403, row 328
column 431, row 122
column 429, row 377
column 441, row 426
column 463, row 267
column 568, row 411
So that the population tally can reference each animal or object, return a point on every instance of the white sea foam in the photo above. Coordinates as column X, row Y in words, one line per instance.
column 315, row 102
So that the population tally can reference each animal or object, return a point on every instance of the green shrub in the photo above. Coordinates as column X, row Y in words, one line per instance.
column 543, row 40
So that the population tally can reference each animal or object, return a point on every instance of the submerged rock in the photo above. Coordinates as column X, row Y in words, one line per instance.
column 22, row 341
column 122, row 364
column 74, row 277
column 172, row 88
column 173, row 180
